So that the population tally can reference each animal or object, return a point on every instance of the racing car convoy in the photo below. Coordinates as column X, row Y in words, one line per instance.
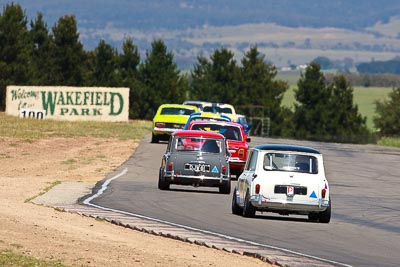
column 206, row 144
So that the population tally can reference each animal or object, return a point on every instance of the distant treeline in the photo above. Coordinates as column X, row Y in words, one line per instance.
column 369, row 68
column 380, row 67
column 369, row 80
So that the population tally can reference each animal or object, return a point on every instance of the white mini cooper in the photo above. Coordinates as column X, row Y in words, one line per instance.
column 284, row 179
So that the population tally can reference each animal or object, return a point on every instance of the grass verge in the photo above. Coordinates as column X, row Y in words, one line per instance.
column 11, row 259
column 389, row 141
column 31, row 128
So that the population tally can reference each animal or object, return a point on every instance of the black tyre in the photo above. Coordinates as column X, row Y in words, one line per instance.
column 248, row 209
column 226, row 188
column 154, row 138
column 162, row 184
column 236, row 209
column 239, row 172
column 325, row 216
column 313, row 216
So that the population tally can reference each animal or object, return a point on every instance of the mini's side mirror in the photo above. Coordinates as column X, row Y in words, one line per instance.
column 248, row 139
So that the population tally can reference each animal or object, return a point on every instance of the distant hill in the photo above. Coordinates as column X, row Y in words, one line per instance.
column 183, row 14
column 192, row 27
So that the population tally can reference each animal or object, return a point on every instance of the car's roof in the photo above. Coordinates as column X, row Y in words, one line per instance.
column 195, row 133
column 178, row 106
column 205, row 114
column 229, row 123
column 287, row 147
column 188, row 102
column 218, row 104
column 208, row 115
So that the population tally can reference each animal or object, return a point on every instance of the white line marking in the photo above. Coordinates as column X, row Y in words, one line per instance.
column 104, row 187
column 124, row 171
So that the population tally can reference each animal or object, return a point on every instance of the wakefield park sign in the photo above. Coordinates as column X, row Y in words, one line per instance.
column 69, row 103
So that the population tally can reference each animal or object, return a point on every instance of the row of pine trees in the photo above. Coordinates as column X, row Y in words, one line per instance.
column 33, row 54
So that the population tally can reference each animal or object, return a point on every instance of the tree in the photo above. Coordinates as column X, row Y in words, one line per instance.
column 217, row 80
column 324, row 62
column 14, row 49
column 42, row 63
column 387, row 121
column 129, row 61
column 128, row 66
column 391, row 66
column 161, row 80
column 69, row 55
column 201, row 86
column 311, row 115
column 105, row 71
column 326, row 112
column 345, row 122
column 260, row 89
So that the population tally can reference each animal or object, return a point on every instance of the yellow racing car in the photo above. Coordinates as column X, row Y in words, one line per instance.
column 168, row 119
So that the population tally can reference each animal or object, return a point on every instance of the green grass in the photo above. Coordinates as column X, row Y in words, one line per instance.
column 288, row 99
column 389, row 141
column 365, row 97
column 30, row 128
column 291, row 77
column 11, row 259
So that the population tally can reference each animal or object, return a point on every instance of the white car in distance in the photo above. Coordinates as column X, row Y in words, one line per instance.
column 284, row 179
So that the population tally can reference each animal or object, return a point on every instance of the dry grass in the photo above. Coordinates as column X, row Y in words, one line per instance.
column 31, row 128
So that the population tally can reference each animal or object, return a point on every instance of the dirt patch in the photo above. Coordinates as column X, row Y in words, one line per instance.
column 28, row 167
